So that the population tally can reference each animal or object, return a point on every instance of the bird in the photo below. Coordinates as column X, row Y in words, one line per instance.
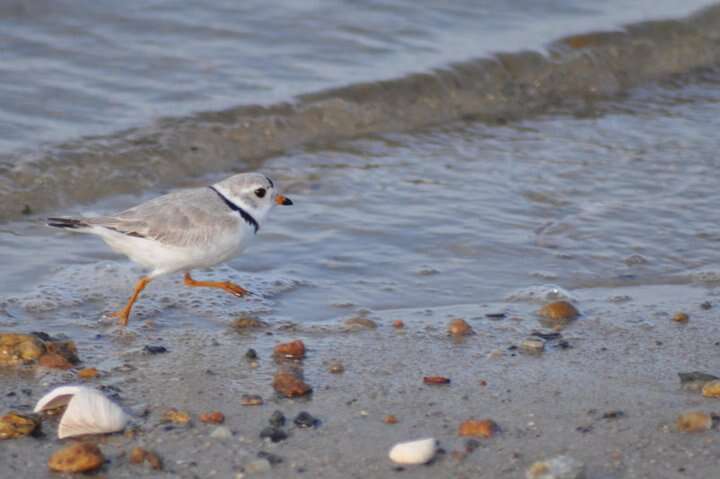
column 184, row 230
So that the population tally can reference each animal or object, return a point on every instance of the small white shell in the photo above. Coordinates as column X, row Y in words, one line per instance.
column 420, row 451
column 88, row 411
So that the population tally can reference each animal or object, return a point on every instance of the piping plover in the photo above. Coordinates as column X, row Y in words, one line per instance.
column 194, row 228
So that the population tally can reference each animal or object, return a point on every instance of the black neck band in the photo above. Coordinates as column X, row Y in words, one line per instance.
column 245, row 215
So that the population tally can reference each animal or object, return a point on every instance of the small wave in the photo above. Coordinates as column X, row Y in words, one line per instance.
column 508, row 86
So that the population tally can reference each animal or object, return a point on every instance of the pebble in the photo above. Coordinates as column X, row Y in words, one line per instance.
column 258, row 466
column 251, row 354
column 251, row 400
column 681, row 317
column 275, row 434
column 272, row 458
column 88, row 373
column 559, row 467
column 354, row 324
column 459, row 327
column 711, row 389
column 150, row 349
column 277, row 419
column 17, row 349
column 247, row 322
column 533, row 345
column 176, row 416
column 436, row 380
column 694, row 381
column 78, row 457
column 706, row 305
column 15, row 424
column 289, row 385
column 55, row 361
column 221, row 432
column 305, row 420
column 420, row 451
column 138, row 455
column 292, row 350
column 398, row 324
column 212, row 417
column 559, row 311
column 390, row 419
column 478, row 428
column 693, row 421
column 336, row 367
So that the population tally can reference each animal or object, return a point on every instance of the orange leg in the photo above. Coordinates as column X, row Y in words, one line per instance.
column 124, row 314
column 231, row 288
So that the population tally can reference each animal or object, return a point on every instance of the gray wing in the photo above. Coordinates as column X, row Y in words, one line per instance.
column 184, row 218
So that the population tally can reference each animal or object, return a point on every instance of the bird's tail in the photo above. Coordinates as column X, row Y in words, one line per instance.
column 69, row 223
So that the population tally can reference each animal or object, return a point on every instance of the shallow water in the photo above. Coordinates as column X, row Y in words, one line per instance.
column 73, row 69
column 623, row 195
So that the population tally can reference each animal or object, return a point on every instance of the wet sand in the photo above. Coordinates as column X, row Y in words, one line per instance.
column 624, row 355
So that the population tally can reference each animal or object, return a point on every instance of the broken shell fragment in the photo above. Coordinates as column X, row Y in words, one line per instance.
column 414, row 452
column 88, row 411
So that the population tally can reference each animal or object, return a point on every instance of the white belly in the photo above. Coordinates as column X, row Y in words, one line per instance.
column 163, row 258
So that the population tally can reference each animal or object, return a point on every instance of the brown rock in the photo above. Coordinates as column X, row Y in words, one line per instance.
column 398, row 324
column 436, row 380
column 18, row 349
column 681, row 317
column 54, row 360
column 251, row 400
column 712, row 389
column 289, row 385
column 459, row 327
column 360, row 323
column 292, row 350
column 559, row 311
column 14, row 425
column 138, row 455
column 693, row 421
column 66, row 349
column 336, row 367
column 79, row 457
column 88, row 373
column 478, row 428
column 176, row 416
column 248, row 322
column 390, row 419
column 212, row 417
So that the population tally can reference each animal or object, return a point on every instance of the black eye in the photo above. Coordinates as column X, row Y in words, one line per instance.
column 260, row 192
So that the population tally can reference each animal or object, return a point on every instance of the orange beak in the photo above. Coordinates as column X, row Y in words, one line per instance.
column 281, row 200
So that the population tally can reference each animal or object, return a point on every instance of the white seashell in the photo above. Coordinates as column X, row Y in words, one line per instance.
column 88, row 411
column 414, row 452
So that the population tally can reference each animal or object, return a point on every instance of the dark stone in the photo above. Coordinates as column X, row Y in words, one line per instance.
column 546, row 336
column 41, row 335
column 305, row 419
column 471, row 445
column 613, row 414
column 694, row 376
column 273, row 459
column 274, row 434
column 706, row 305
column 564, row 345
column 155, row 349
column 251, row 354
column 495, row 315
column 277, row 419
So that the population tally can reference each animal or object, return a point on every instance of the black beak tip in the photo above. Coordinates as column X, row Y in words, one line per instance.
column 287, row 202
